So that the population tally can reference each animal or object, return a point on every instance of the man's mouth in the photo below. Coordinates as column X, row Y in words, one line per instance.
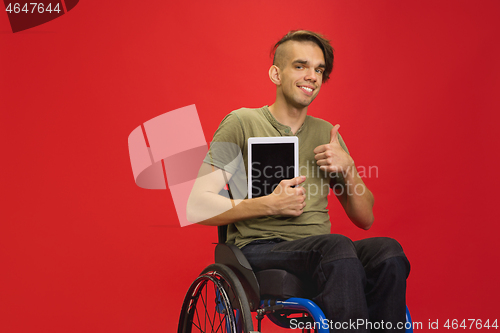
column 307, row 90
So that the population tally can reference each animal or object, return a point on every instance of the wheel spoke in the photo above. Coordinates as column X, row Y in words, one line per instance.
column 221, row 321
column 198, row 317
column 216, row 308
column 198, row 327
column 205, row 306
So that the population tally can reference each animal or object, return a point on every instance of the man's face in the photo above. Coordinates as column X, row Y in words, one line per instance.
column 302, row 73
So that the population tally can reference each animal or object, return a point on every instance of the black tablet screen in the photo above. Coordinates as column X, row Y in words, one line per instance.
column 271, row 163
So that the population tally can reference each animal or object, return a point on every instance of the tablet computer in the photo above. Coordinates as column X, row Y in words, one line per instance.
column 270, row 160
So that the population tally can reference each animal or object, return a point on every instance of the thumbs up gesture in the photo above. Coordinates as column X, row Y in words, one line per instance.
column 331, row 157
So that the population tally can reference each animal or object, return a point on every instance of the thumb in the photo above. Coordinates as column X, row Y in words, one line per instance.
column 297, row 180
column 334, row 133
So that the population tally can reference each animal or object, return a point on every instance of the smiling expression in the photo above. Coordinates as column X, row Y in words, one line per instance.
column 302, row 73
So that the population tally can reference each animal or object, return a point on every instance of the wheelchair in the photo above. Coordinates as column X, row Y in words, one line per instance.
column 223, row 297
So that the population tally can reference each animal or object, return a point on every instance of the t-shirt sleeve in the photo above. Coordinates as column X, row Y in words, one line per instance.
column 227, row 145
column 342, row 143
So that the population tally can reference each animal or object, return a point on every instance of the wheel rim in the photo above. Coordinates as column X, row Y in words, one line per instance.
column 209, row 308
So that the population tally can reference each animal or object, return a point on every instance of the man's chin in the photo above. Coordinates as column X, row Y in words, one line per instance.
column 301, row 103
column 307, row 102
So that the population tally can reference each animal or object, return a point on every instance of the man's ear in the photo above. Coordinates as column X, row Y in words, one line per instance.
column 274, row 75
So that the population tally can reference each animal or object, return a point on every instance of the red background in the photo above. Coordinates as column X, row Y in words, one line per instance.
column 83, row 249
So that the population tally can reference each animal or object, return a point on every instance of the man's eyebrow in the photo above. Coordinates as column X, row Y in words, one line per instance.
column 305, row 62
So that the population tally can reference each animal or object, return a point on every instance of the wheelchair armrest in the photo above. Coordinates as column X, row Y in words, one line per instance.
column 231, row 256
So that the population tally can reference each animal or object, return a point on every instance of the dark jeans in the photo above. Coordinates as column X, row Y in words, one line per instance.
column 365, row 279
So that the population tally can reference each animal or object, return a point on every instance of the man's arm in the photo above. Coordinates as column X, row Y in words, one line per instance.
column 206, row 206
column 356, row 199
column 354, row 196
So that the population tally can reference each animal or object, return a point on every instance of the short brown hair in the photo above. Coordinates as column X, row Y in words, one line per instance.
column 308, row 36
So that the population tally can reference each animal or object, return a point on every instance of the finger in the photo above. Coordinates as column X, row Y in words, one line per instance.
column 320, row 149
column 296, row 181
column 334, row 133
column 322, row 156
column 322, row 162
column 324, row 168
column 301, row 191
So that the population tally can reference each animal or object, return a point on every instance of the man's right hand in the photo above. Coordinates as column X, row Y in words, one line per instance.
column 288, row 200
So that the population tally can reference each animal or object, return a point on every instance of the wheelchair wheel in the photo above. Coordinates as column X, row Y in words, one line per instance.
column 215, row 302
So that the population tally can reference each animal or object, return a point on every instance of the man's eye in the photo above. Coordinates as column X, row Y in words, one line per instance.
column 319, row 71
column 299, row 67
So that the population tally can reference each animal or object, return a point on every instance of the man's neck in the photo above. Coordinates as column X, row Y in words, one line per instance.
column 288, row 115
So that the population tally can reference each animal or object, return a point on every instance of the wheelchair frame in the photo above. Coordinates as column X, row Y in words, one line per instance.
column 232, row 284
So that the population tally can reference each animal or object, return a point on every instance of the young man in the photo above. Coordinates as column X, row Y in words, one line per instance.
column 290, row 228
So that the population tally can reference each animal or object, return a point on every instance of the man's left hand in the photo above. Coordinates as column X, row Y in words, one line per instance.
column 331, row 157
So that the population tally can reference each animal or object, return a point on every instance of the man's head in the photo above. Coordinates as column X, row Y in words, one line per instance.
column 303, row 60
column 280, row 49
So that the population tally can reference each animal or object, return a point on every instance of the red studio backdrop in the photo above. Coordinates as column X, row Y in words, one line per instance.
column 415, row 88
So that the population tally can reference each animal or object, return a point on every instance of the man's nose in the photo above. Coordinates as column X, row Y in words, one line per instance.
column 311, row 75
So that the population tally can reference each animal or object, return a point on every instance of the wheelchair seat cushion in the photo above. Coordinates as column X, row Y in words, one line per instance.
column 277, row 283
